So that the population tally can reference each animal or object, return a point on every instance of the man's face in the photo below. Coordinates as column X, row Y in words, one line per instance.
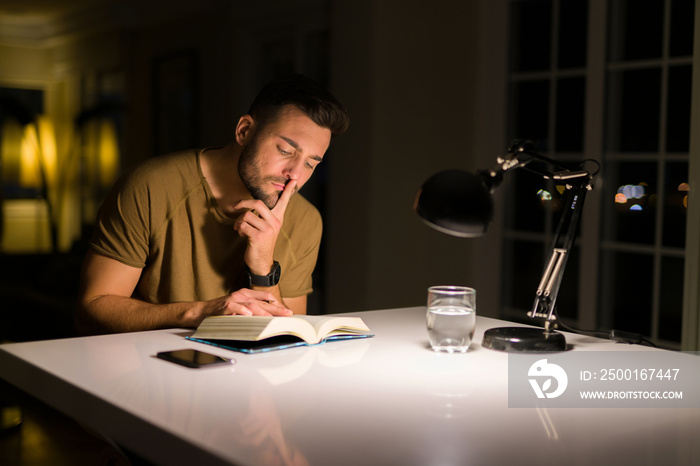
column 286, row 149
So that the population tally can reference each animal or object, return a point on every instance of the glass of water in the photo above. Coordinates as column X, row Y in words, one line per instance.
column 451, row 318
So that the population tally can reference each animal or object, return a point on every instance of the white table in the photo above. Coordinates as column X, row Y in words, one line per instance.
column 380, row 401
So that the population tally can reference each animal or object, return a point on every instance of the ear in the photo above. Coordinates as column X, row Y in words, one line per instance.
column 244, row 129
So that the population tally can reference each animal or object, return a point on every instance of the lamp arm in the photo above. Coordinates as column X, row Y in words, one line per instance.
column 523, row 155
column 562, row 245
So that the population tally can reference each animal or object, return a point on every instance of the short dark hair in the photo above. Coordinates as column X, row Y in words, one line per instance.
column 305, row 94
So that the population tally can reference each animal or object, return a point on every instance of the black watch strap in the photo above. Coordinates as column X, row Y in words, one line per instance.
column 271, row 279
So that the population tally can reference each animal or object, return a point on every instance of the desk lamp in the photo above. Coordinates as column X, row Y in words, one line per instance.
column 459, row 203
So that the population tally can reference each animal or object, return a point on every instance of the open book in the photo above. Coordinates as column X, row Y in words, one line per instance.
column 310, row 329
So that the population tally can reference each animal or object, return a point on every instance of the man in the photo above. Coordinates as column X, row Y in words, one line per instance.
column 215, row 231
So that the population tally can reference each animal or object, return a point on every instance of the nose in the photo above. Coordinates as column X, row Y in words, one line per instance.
column 293, row 169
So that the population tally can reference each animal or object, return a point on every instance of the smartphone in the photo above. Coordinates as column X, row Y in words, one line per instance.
column 194, row 358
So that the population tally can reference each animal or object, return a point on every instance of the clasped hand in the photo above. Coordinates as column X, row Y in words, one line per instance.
column 247, row 302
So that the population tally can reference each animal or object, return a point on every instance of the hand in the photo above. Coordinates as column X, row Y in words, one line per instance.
column 261, row 226
column 246, row 302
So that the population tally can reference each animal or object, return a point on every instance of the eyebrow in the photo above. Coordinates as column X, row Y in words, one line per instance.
column 293, row 143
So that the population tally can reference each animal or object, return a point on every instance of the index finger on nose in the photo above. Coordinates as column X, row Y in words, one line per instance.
column 289, row 189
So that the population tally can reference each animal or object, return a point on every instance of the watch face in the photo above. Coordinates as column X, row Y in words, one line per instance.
column 270, row 279
column 275, row 274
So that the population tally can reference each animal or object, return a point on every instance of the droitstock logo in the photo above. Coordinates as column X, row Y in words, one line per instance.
column 541, row 375
column 604, row 379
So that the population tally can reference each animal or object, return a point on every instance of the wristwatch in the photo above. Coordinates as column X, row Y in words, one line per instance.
column 271, row 279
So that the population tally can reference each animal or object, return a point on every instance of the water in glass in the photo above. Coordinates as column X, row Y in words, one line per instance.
column 450, row 327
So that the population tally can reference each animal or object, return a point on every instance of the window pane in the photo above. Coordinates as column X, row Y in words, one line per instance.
column 627, row 291
column 524, row 264
column 682, row 16
column 678, row 118
column 630, row 199
column 636, row 29
column 528, row 210
column 573, row 33
column 671, row 305
column 676, row 204
column 531, row 35
column 570, row 114
column 531, row 111
column 633, row 110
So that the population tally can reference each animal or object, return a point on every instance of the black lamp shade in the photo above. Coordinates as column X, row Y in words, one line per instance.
column 455, row 202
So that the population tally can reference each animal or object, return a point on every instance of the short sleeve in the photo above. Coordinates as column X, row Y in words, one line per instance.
column 122, row 229
column 297, row 248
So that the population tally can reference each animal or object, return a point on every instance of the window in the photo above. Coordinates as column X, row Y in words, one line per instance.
column 622, row 96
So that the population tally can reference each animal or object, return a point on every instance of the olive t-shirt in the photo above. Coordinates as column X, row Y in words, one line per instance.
column 163, row 218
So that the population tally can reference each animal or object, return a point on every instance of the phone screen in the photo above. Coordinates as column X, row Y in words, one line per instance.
column 194, row 358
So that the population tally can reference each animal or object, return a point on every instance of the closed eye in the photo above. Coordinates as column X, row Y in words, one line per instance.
column 284, row 152
column 314, row 159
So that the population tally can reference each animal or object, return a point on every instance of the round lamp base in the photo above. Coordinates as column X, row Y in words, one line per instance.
column 523, row 340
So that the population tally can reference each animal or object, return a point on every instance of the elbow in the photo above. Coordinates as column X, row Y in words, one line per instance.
column 85, row 319
column 81, row 321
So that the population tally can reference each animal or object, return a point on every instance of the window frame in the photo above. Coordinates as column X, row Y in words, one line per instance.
column 589, row 242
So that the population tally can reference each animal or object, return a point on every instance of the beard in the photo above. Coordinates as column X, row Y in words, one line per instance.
column 254, row 181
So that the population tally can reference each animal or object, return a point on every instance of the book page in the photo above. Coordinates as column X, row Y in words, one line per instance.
column 292, row 325
column 311, row 329
column 253, row 328
column 231, row 327
column 331, row 325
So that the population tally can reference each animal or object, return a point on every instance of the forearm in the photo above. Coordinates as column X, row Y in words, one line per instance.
column 110, row 314
column 107, row 313
column 105, row 304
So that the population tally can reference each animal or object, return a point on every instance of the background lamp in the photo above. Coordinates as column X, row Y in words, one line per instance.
column 459, row 203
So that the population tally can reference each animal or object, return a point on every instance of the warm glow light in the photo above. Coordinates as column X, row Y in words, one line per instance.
column 29, row 169
column 685, row 202
column 26, row 229
column 47, row 140
column 620, row 198
column 108, row 153
column 29, row 159
column 684, row 187
column 37, row 154
column 101, row 156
